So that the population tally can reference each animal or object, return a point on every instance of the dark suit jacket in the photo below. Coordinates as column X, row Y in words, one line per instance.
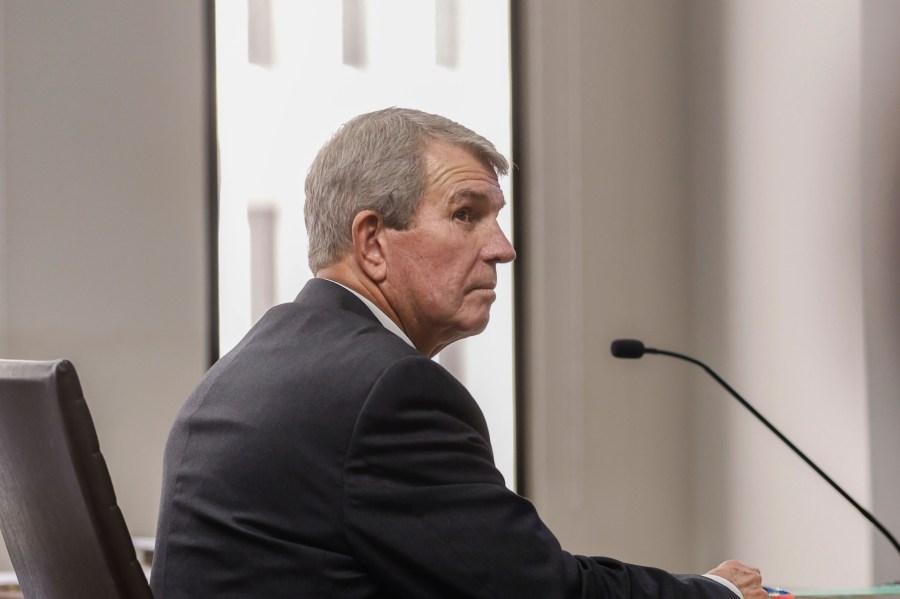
column 324, row 457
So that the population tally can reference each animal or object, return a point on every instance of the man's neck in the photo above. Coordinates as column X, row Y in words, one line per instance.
column 383, row 318
column 344, row 274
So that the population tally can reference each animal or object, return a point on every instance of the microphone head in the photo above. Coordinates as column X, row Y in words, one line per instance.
column 627, row 348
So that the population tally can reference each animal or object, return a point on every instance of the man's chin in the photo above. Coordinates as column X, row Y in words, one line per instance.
column 471, row 327
column 478, row 326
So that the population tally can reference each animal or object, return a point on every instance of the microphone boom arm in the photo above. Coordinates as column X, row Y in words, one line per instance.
column 866, row 514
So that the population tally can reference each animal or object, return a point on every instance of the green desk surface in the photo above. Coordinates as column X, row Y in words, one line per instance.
column 891, row 591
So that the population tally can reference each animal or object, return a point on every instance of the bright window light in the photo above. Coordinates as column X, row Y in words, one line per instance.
column 289, row 74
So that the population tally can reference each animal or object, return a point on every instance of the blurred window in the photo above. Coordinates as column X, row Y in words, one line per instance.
column 288, row 74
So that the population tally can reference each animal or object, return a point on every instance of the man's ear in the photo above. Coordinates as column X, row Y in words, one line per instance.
column 369, row 244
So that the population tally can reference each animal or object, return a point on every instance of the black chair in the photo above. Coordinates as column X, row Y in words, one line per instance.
column 64, row 531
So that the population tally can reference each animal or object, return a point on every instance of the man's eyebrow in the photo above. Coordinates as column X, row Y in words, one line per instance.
column 473, row 194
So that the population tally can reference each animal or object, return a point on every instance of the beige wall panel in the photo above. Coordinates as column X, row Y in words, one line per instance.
column 604, row 256
column 105, row 227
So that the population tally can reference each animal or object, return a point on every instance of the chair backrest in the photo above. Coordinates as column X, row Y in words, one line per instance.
column 64, row 531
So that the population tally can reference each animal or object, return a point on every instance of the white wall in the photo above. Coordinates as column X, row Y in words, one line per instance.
column 716, row 177
column 776, row 199
column 104, row 236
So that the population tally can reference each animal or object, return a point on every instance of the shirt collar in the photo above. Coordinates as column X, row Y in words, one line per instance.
column 383, row 318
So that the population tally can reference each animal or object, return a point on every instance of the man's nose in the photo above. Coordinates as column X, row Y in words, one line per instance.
column 498, row 248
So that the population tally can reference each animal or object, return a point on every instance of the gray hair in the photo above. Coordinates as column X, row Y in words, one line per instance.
column 376, row 162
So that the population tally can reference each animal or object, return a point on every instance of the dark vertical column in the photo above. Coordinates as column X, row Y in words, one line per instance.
column 212, row 179
column 880, row 174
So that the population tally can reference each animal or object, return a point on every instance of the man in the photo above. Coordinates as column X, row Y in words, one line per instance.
column 327, row 455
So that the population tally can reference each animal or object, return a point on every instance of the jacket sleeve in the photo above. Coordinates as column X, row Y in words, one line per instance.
column 428, row 515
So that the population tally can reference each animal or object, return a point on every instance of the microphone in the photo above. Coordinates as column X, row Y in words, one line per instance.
column 632, row 349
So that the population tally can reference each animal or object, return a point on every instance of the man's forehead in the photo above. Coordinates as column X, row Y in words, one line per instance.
column 459, row 169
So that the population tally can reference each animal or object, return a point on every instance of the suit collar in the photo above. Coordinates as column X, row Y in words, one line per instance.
column 332, row 291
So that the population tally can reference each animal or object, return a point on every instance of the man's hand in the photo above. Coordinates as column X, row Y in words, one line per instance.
column 746, row 578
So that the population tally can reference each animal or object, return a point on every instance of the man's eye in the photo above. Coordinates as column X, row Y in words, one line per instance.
column 462, row 215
